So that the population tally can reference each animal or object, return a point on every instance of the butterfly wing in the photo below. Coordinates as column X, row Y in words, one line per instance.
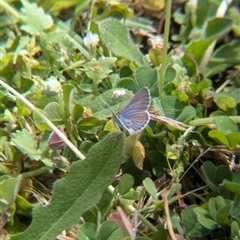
column 139, row 102
column 134, row 116
column 134, row 123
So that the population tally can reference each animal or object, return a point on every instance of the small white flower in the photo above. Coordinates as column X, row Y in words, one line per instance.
column 51, row 86
column 91, row 40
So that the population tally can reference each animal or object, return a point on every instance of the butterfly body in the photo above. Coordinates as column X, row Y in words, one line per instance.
column 134, row 117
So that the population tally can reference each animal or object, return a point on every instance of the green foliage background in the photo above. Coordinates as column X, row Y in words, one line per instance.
column 61, row 62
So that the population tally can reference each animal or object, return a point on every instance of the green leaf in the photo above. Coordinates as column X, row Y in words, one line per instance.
column 233, row 139
column 233, row 187
column 8, row 192
column 223, row 57
column 207, row 223
column 235, row 229
column 208, row 169
column 195, row 48
column 115, row 36
column 87, row 231
column 174, row 188
column 193, row 227
column 219, row 137
column 222, row 172
column 52, row 112
column 150, row 187
column 89, row 122
column 146, row 76
column 99, row 69
column 187, row 114
column 217, row 27
column 77, row 113
column 128, row 83
column 26, row 143
column 110, row 230
column 168, row 106
column 34, row 18
column 126, row 182
column 129, row 198
column 223, row 213
column 79, row 191
column 226, row 102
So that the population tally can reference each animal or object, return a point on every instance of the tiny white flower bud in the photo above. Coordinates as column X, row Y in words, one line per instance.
column 91, row 40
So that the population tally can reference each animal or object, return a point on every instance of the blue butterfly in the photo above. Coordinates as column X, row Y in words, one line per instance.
column 134, row 117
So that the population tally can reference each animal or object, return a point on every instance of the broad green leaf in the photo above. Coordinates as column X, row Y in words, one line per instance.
column 77, row 113
column 202, row 18
column 235, row 229
column 207, row 223
column 8, row 192
column 52, row 112
column 233, row 187
column 177, row 222
column 222, row 172
column 212, row 208
column 89, row 122
column 23, row 41
column 87, row 230
column 223, row 57
column 208, row 169
column 174, row 188
column 191, row 223
column 146, row 76
column 223, row 213
column 79, row 191
column 170, row 75
column 168, row 106
column 219, row 137
column 34, row 18
column 189, row 64
column 68, row 93
column 128, row 83
column 99, row 69
column 25, row 142
column 225, row 102
column 217, row 27
column 233, row 139
column 196, row 48
column 150, row 187
column 187, row 114
column 115, row 36
column 126, row 182
column 129, row 198
column 110, row 230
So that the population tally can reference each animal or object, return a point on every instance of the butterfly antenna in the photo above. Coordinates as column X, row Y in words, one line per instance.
column 106, row 104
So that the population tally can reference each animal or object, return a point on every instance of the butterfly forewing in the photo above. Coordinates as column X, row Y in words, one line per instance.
column 134, row 116
column 139, row 102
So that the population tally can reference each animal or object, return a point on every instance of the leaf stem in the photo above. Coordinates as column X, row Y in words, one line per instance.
column 10, row 10
column 47, row 121
column 210, row 120
column 165, row 47
column 34, row 172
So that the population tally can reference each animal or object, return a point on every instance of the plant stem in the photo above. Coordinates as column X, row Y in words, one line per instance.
column 165, row 47
column 9, row 9
column 34, row 172
column 46, row 120
column 210, row 120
